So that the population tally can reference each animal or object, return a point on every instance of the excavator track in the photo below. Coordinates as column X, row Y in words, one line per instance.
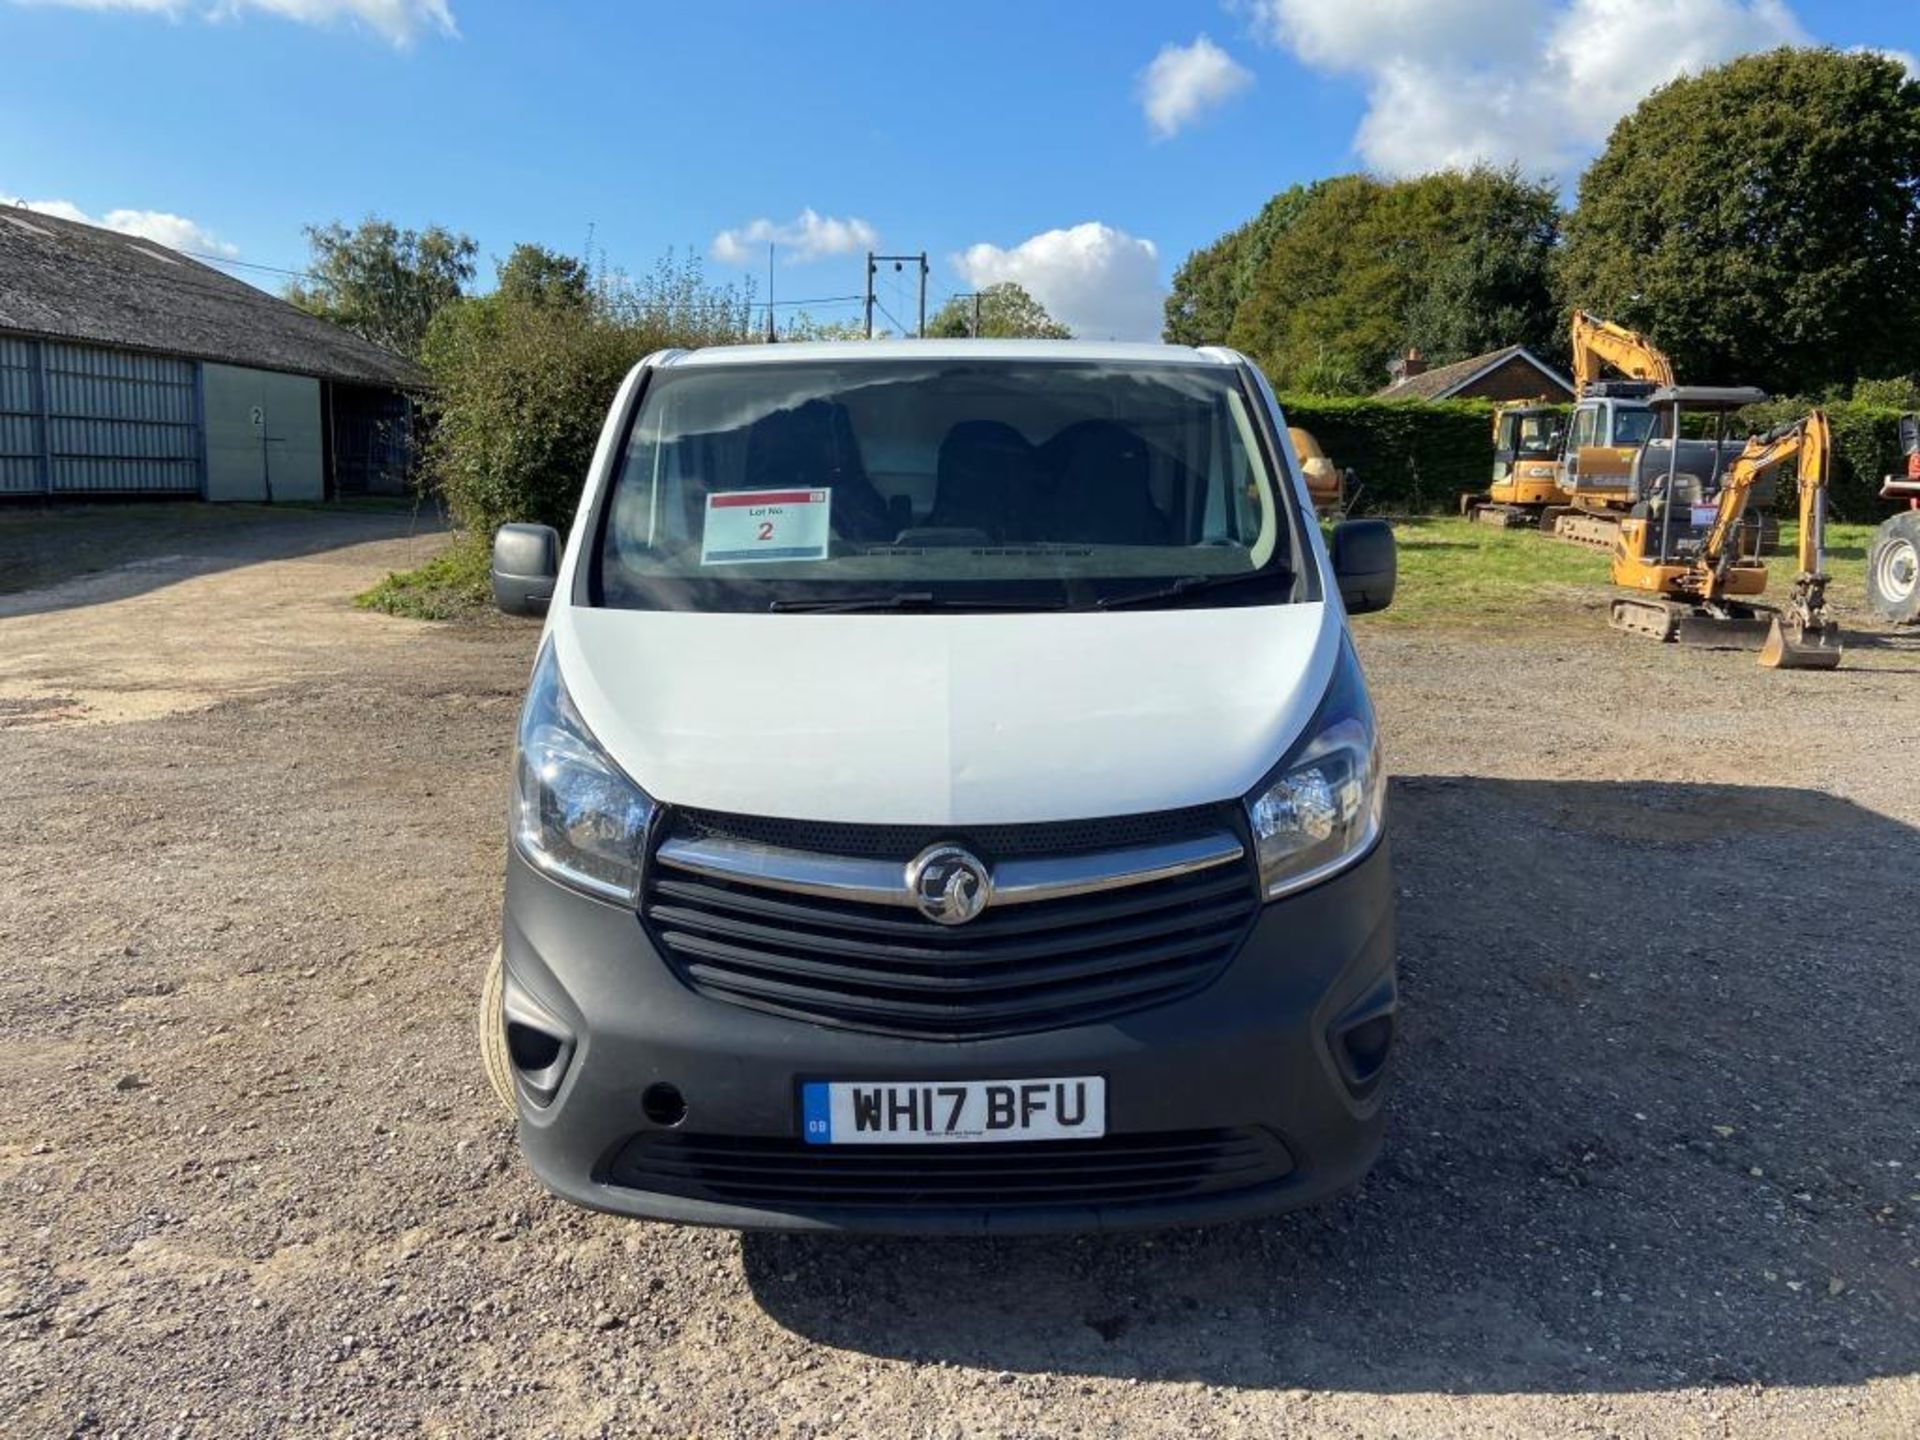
column 1504, row 517
column 1723, row 627
column 1581, row 527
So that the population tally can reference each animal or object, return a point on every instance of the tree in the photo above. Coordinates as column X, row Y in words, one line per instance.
column 1209, row 288
column 1007, row 312
column 1331, row 280
column 539, row 276
column 383, row 283
column 1762, row 221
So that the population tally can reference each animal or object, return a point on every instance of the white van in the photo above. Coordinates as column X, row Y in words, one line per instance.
column 947, row 799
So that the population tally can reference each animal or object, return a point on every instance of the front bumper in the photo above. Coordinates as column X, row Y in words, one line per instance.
column 1265, row 1051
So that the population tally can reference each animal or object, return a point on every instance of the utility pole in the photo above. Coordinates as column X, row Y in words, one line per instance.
column 771, row 337
column 898, row 262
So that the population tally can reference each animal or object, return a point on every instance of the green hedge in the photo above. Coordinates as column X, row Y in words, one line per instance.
column 1412, row 457
column 1408, row 456
column 1866, row 449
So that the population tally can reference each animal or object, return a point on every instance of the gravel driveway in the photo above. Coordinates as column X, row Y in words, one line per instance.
column 1654, row 1166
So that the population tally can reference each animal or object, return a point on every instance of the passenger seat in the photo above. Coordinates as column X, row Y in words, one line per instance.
column 1102, row 491
column 988, row 479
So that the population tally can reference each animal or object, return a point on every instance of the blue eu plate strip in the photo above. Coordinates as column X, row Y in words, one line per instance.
column 816, row 1113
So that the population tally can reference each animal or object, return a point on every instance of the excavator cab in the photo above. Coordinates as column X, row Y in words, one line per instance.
column 1526, row 432
column 1527, row 440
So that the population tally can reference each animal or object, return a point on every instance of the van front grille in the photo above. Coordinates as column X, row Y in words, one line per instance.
column 1040, row 965
column 792, row 1175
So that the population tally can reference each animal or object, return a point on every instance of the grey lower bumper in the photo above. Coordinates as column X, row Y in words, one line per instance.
column 1258, row 1051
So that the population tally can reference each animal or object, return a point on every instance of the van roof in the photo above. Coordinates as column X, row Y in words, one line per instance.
column 1084, row 350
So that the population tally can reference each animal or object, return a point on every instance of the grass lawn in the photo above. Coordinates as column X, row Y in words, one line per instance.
column 1454, row 572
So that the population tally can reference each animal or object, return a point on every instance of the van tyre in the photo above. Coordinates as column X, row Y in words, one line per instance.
column 1893, row 569
column 493, row 1034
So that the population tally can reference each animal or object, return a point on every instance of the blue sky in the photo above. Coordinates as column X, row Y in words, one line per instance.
column 1082, row 148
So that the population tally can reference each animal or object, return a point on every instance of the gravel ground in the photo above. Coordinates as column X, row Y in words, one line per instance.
column 1654, row 1167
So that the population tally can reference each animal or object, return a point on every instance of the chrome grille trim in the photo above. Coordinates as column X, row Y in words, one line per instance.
column 882, row 882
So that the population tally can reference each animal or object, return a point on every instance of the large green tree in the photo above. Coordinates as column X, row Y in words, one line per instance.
column 1331, row 281
column 1209, row 288
column 1005, row 312
column 381, row 282
column 1762, row 221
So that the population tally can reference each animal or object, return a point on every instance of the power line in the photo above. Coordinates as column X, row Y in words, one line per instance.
column 898, row 327
column 816, row 300
column 250, row 264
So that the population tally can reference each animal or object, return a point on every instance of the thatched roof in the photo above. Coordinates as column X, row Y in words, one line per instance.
column 68, row 281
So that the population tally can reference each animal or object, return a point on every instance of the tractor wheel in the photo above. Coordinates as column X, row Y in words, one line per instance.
column 1893, row 569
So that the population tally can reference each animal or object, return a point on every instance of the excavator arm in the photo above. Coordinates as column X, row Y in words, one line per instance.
column 1599, row 343
column 1807, row 440
column 1803, row 636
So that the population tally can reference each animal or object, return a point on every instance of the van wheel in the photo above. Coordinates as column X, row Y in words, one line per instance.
column 1893, row 569
column 493, row 1034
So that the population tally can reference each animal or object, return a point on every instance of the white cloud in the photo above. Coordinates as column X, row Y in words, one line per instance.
column 808, row 236
column 1359, row 34
column 399, row 22
column 1185, row 80
column 1536, row 82
column 1101, row 283
column 176, row 232
column 1905, row 58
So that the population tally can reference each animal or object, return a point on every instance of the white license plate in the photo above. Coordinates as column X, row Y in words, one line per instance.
column 858, row 1112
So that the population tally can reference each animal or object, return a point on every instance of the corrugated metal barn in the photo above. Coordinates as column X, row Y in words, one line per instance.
column 130, row 369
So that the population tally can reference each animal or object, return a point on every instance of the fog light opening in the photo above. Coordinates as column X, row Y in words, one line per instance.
column 663, row 1105
column 1366, row 1046
column 531, row 1050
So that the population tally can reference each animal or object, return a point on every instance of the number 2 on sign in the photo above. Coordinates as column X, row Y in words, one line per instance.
column 766, row 529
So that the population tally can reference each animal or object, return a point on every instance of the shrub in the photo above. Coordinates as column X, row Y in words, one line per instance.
column 452, row 584
column 523, row 386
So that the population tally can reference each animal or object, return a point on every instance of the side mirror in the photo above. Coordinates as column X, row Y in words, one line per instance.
column 526, row 565
column 1366, row 564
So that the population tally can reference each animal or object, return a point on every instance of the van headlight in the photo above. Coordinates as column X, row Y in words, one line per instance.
column 575, row 815
column 1322, row 807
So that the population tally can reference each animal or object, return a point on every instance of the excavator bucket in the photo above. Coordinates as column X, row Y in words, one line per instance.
column 1792, row 645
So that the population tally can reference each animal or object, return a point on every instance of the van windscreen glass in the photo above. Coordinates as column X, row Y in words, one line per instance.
column 908, row 484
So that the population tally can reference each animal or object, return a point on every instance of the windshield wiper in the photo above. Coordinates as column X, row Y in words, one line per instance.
column 906, row 600
column 1194, row 585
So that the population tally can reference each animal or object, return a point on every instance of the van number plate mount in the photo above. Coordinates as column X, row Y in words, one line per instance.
column 952, row 1112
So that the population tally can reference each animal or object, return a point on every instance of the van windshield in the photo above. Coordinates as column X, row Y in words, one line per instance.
column 908, row 484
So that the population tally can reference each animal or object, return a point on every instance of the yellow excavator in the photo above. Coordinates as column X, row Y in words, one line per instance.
column 1610, row 421
column 1527, row 439
column 1689, row 543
